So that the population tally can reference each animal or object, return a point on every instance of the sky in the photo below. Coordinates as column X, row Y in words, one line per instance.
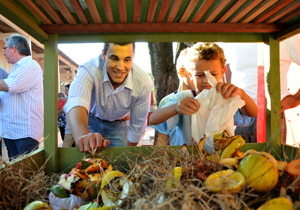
column 81, row 53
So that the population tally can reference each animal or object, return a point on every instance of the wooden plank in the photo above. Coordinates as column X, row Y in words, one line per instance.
column 151, row 10
column 79, row 11
column 161, row 37
column 16, row 15
column 163, row 27
column 290, row 152
column 259, row 10
column 245, row 10
column 47, row 7
column 50, row 102
column 273, row 11
column 202, row 11
column 122, row 11
column 237, row 5
column 163, row 10
column 93, row 10
column 35, row 10
column 217, row 11
column 64, row 11
column 174, row 10
column 137, row 11
column 256, row 146
column 290, row 16
column 289, row 32
column 35, row 159
column 192, row 4
column 280, row 14
column 108, row 11
column 273, row 84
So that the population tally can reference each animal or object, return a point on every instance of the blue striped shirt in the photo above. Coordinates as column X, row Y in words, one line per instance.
column 92, row 89
column 23, row 104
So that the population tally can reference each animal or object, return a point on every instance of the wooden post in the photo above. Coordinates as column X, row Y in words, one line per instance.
column 274, row 104
column 50, row 103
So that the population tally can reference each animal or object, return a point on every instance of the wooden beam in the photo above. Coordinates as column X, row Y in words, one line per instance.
column 35, row 10
column 192, row 4
column 290, row 16
column 163, row 27
column 163, row 10
column 4, row 35
column 237, row 5
column 174, row 11
column 278, row 15
column 273, row 11
column 258, row 11
column 162, row 37
column 108, row 11
column 79, row 11
column 202, row 11
column 93, row 10
column 217, row 11
column 64, row 11
column 289, row 32
column 122, row 11
column 11, row 12
column 137, row 8
column 245, row 10
column 50, row 103
column 151, row 10
column 47, row 7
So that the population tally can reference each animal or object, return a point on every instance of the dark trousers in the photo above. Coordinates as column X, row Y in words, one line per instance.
column 62, row 132
column 16, row 147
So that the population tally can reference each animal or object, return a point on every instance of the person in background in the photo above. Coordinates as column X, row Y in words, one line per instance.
column 289, row 52
column 3, row 75
column 243, row 73
column 105, row 91
column 178, row 111
column 69, row 140
column 185, row 83
column 21, row 98
column 61, row 120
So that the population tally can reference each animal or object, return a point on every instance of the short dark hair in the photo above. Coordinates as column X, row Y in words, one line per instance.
column 20, row 42
column 106, row 45
column 67, row 86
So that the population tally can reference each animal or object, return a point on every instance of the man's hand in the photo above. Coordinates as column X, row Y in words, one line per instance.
column 187, row 106
column 91, row 141
column 289, row 102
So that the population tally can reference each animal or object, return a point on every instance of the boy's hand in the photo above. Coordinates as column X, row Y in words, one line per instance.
column 228, row 90
column 187, row 106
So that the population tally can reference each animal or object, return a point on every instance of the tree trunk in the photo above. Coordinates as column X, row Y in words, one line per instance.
column 163, row 69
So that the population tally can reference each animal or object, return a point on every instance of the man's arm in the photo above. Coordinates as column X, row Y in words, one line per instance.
column 3, row 86
column 290, row 101
column 78, row 123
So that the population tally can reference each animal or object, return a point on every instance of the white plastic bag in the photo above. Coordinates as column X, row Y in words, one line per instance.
column 215, row 114
column 65, row 203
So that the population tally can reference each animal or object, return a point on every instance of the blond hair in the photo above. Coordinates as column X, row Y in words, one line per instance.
column 205, row 51
column 181, row 60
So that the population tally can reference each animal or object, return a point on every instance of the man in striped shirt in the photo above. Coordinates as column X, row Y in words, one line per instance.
column 21, row 96
column 106, row 90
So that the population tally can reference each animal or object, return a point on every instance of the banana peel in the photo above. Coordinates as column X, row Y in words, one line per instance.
column 232, row 149
column 175, row 177
column 200, row 145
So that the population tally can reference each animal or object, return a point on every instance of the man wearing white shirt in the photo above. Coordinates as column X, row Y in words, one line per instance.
column 105, row 91
column 3, row 75
column 21, row 95
column 289, row 52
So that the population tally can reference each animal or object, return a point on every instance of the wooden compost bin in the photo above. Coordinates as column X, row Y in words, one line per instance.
column 62, row 158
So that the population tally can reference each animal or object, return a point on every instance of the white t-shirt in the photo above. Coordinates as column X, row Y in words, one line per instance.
column 289, row 52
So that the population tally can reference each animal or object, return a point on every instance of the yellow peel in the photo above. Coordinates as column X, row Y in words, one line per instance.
column 232, row 149
column 230, row 161
column 176, row 177
column 200, row 145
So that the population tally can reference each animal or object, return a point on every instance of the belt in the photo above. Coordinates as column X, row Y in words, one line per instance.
column 123, row 119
